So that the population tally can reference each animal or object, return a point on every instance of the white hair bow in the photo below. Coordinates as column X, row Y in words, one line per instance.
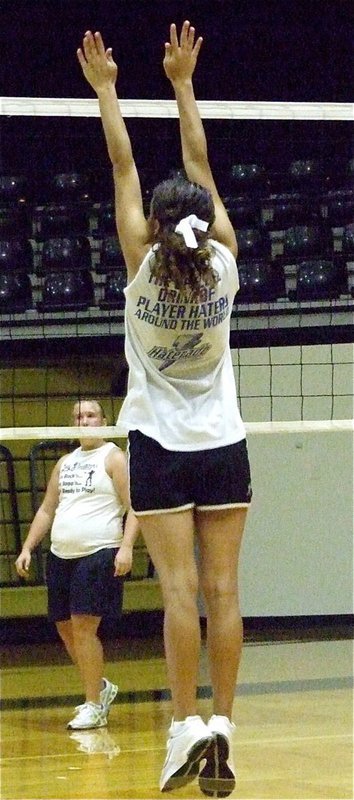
column 185, row 227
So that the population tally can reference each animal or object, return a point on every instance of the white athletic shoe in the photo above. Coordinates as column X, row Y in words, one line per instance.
column 90, row 715
column 107, row 694
column 187, row 744
column 217, row 778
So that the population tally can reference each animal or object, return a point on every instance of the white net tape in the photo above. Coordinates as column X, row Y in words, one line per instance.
column 113, row 432
column 209, row 109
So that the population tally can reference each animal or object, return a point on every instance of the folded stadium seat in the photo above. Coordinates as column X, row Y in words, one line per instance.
column 244, row 212
column 71, row 187
column 319, row 279
column 106, row 220
column 16, row 255
column 13, row 189
column 307, row 174
column 286, row 209
column 67, row 291
column 348, row 241
column 253, row 243
column 111, row 256
column 114, row 286
column 15, row 292
column 306, row 241
column 15, row 221
column 65, row 253
column 248, row 179
column 63, row 220
column 339, row 207
column 260, row 281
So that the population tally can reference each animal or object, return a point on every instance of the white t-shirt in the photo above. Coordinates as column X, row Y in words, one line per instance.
column 89, row 516
column 181, row 387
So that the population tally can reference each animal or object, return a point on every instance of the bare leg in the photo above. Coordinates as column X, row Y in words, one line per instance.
column 169, row 540
column 220, row 535
column 65, row 630
column 89, row 653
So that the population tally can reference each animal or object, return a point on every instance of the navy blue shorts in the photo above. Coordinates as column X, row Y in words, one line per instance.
column 84, row 586
column 169, row 480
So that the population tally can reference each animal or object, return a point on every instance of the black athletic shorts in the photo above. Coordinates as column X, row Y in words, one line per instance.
column 84, row 586
column 169, row 480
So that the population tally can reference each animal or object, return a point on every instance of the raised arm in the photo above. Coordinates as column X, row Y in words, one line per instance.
column 101, row 73
column 179, row 63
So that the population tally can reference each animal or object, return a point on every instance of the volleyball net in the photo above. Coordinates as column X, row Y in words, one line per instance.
column 285, row 170
column 292, row 356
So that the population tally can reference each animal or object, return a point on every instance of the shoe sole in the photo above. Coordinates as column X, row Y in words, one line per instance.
column 190, row 769
column 216, row 778
column 86, row 727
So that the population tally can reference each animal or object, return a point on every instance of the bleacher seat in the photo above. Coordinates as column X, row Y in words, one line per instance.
column 319, row 279
column 111, row 256
column 244, row 212
column 67, row 291
column 114, row 286
column 106, row 220
column 15, row 221
column 253, row 243
column 63, row 220
column 65, row 253
column 260, row 281
column 307, row 174
column 287, row 209
column 306, row 241
column 71, row 187
column 248, row 179
column 339, row 207
column 16, row 255
column 15, row 292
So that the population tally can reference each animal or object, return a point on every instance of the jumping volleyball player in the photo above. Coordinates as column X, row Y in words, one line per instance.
column 188, row 462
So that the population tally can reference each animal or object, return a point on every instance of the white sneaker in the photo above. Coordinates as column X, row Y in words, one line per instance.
column 90, row 715
column 187, row 744
column 217, row 778
column 107, row 694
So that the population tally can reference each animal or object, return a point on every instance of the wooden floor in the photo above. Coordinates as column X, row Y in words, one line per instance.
column 293, row 713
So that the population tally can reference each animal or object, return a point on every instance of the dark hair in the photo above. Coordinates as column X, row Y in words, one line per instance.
column 172, row 200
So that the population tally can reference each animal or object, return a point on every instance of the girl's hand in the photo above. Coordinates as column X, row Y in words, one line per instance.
column 97, row 63
column 181, row 56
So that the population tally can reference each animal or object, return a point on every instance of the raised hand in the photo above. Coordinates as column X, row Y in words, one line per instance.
column 96, row 62
column 181, row 56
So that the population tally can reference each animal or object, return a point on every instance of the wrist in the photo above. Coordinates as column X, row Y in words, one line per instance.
column 106, row 90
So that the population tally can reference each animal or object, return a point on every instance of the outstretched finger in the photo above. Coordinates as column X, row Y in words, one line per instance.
column 88, row 45
column 190, row 39
column 197, row 46
column 173, row 35
column 99, row 43
column 185, row 33
column 81, row 57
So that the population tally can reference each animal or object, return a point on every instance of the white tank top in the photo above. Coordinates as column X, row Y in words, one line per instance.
column 89, row 515
column 181, row 387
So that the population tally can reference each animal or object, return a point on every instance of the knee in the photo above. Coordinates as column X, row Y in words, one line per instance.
column 219, row 590
column 181, row 593
column 84, row 627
